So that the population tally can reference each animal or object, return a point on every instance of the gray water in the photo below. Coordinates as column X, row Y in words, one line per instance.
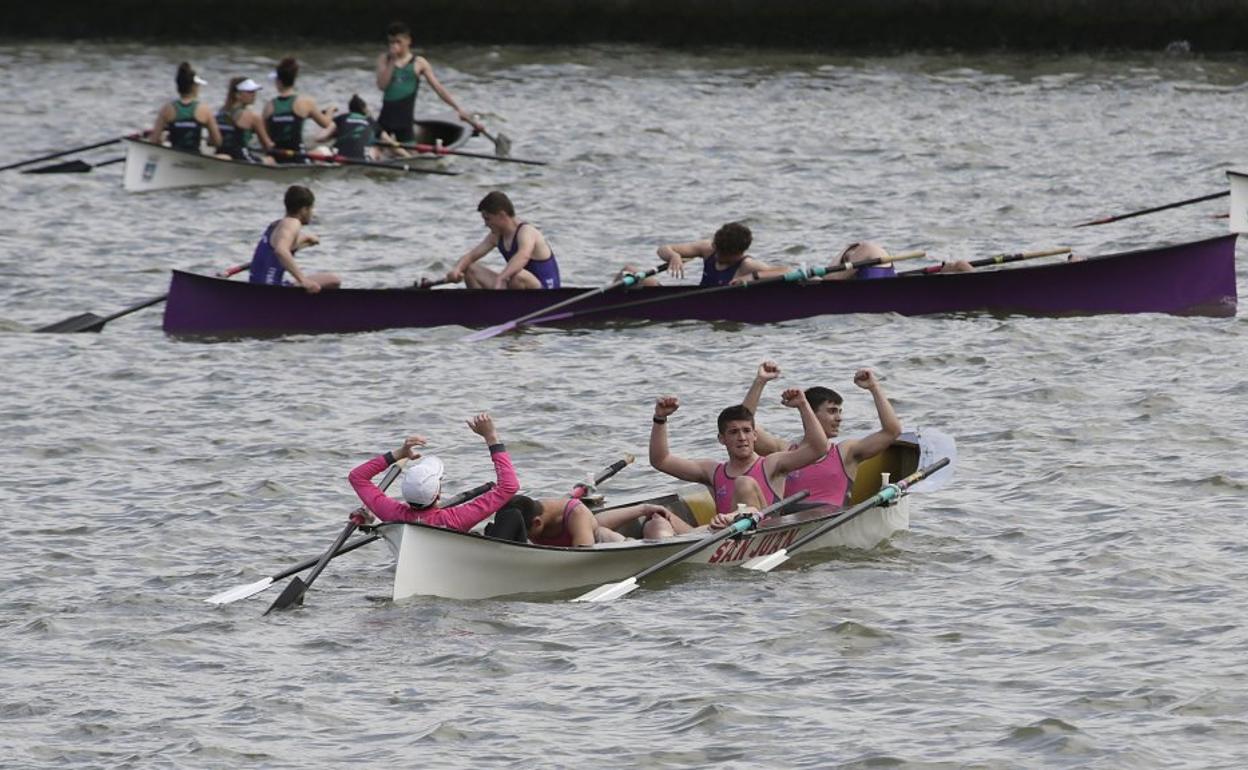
column 1071, row 600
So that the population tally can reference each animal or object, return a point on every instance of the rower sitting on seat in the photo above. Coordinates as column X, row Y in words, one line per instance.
column 238, row 124
column 275, row 253
column 747, row 478
column 285, row 113
column 723, row 256
column 567, row 522
column 354, row 133
column 866, row 250
column 422, row 484
column 185, row 118
column 530, row 260
column 830, row 479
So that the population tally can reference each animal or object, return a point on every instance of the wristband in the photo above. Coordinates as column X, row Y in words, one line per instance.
column 499, row 447
column 659, row 420
column 389, row 458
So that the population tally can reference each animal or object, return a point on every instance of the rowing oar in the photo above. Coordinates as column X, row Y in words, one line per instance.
column 1175, row 205
column 60, row 154
column 502, row 145
column 797, row 274
column 425, row 283
column 996, row 259
column 343, row 160
column 610, row 591
column 90, row 322
column 580, row 490
column 72, row 166
column 251, row 589
column 629, row 279
column 889, row 492
column 435, row 149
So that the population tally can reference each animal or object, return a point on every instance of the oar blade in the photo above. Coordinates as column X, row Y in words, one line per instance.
column 493, row 331
column 767, row 563
column 68, row 167
column 292, row 594
column 85, row 322
column 502, row 145
column 609, row 591
column 240, row 592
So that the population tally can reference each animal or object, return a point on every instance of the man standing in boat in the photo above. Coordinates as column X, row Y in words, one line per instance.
column 275, row 253
column 747, row 478
column 530, row 264
column 723, row 255
column 422, row 484
column 398, row 76
column 830, row 479
column 285, row 113
column 185, row 118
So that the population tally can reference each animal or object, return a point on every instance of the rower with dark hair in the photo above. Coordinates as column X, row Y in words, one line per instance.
column 566, row 521
column 285, row 113
column 238, row 124
column 830, row 479
column 185, row 118
column 354, row 133
column 530, row 264
column 723, row 255
column 398, row 76
column 275, row 253
column 747, row 478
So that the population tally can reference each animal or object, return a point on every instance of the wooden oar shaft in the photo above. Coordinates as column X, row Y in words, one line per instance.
column 1155, row 209
column 60, row 154
column 996, row 259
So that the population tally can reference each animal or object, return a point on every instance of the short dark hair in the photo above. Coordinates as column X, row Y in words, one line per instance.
column 496, row 202
column 287, row 71
column 297, row 197
column 732, row 238
column 185, row 78
column 732, row 414
column 818, row 395
column 357, row 104
column 397, row 28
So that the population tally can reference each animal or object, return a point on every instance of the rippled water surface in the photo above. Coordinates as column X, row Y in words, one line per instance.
column 1074, row 599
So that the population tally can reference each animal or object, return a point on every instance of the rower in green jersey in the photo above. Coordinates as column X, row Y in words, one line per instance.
column 239, row 124
column 185, row 118
column 398, row 75
column 285, row 113
column 356, row 135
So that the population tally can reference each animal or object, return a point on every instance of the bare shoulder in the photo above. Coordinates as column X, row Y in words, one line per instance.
column 421, row 64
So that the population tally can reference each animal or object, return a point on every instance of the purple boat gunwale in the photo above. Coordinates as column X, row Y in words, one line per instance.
column 1196, row 278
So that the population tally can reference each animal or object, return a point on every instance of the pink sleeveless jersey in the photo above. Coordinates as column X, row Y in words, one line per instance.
column 564, row 539
column 722, row 487
column 825, row 479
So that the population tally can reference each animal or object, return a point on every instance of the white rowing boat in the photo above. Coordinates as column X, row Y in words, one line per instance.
column 433, row 561
column 151, row 167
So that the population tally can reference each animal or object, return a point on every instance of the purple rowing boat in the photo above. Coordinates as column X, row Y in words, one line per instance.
column 1184, row 279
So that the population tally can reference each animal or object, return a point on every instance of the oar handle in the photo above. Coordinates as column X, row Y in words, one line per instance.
column 467, row 495
column 1155, row 209
column 581, row 490
column 840, row 267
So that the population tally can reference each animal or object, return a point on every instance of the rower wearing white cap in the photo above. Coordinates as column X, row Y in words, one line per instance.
column 422, row 484
column 238, row 124
column 185, row 118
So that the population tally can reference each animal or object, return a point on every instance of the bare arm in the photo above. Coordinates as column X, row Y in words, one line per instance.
column 285, row 241
column 318, row 116
column 163, row 116
column 890, row 424
column 814, row 441
column 423, row 68
column 581, row 525
column 385, row 70
column 661, row 458
column 204, row 115
column 675, row 254
column 765, row 442
column 518, row 261
column 456, row 273
column 257, row 124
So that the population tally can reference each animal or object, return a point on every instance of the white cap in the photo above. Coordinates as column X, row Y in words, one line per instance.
column 423, row 481
column 200, row 81
column 248, row 85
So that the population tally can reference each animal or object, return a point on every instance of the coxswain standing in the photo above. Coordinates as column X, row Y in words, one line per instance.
column 398, row 76
column 185, row 118
column 285, row 113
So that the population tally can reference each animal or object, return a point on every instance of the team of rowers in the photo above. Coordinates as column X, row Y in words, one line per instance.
column 760, row 470
column 275, row 134
column 529, row 261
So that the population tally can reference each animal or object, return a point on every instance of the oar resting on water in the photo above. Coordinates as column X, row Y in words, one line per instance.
column 73, row 166
column 61, row 153
column 90, row 322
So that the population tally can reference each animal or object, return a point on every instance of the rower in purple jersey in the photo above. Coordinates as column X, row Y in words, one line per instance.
column 723, row 255
column 275, row 253
column 866, row 250
column 530, row 263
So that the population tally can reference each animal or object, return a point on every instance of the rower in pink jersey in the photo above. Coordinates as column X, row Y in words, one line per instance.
column 747, row 477
column 830, row 479
column 422, row 484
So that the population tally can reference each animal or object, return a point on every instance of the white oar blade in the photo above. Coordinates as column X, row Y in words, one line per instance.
column 933, row 445
column 767, row 563
column 609, row 592
column 493, row 331
column 241, row 592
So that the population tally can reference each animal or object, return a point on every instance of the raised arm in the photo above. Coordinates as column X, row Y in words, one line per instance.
column 385, row 70
column 383, row 506
column 765, row 443
column 661, row 458
column 465, row 517
column 890, row 424
column 423, row 68
column 675, row 254
column 814, row 441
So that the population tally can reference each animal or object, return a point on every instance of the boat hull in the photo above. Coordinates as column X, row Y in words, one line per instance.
column 1185, row 279
column 432, row 561
column 151, row 167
